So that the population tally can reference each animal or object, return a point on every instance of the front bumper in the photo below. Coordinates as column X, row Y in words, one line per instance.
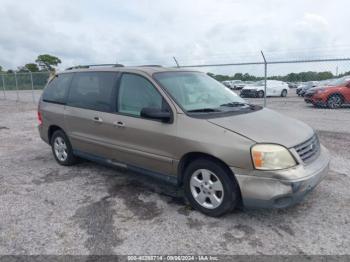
column 249, row 93
column 308, row 100
column 315, row 100
column 261, row 189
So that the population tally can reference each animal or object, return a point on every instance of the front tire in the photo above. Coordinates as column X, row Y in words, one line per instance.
column 62, row 149
column 260, row 94
column 210, row 187
column 334, row 101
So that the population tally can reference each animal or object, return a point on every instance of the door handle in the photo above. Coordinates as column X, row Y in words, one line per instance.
column 119, row 124
column 97, row 119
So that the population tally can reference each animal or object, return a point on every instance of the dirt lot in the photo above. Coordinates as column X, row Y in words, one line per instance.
column 89, row 209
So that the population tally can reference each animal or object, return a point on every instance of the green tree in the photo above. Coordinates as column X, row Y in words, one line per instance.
column 47, row 62
column 0, row 68
column 32, row 67
column 238, row 76
column 325, row 75
column 345, row 74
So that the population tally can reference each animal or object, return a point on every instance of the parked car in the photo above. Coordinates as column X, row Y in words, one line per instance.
column 292, row 85
column 304, row 87
column 234, row 84
column 334, row 95
column 227, row 83
column 185, row 128
column 237, row 84
column 273, row 88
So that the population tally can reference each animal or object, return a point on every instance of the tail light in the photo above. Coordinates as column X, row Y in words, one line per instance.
column 40, row 119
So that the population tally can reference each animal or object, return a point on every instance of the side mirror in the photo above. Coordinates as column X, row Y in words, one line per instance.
column 348, row 85
column 156, row 113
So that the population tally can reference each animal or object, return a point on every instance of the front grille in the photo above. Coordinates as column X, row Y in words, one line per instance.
column 309, row 94
column 308, row 150
column 248, row 92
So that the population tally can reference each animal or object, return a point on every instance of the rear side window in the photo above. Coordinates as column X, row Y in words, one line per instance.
column 56, row 91
column 92, row 90
column 135, row 93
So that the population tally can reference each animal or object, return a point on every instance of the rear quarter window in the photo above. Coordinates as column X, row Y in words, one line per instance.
column 57, row 90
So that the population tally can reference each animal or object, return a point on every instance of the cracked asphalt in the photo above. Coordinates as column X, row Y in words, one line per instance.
column 89, row 209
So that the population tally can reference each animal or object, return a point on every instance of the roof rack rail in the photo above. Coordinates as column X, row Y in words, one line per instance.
column 150, row 66
column 88, row 66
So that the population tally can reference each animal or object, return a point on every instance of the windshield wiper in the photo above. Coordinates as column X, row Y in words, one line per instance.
column 204, row 110
column 234, row 104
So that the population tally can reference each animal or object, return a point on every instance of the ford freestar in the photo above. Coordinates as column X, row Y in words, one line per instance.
column 183, row 127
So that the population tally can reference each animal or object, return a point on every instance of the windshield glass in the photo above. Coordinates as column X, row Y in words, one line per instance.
column 197, row 91
column 338, row 82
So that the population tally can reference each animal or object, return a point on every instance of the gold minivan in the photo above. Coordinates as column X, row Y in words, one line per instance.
column 183, row 127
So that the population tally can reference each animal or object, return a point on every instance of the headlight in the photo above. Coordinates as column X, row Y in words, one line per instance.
column 320, row 91
column 271, row 157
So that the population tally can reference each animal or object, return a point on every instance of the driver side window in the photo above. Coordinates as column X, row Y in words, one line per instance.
column 135, row 93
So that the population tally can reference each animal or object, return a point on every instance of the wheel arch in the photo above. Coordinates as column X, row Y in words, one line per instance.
column 284, row 89
column 52, row 129
column 191, row 156
column 336, row 93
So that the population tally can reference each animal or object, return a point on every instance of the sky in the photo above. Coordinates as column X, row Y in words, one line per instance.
column 138, row 32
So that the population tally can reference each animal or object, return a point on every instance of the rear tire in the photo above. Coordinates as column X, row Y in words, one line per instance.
column 284, row 93
column 210, row 187
column 335, row 101
column 62, row 149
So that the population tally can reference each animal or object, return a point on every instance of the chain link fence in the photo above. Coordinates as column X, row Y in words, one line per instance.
column 23, row 86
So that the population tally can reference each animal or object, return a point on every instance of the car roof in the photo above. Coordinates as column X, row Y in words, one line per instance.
column 150, row 70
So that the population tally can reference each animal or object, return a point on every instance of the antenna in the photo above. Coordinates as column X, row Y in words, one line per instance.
column 177, row 64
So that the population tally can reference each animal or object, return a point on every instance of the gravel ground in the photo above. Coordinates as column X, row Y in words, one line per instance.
column 89, row 209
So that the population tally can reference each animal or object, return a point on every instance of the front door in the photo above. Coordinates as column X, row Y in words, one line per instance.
column 144, row 143
column 269, row 88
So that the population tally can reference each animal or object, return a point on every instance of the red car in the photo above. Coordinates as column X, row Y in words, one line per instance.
column 334, row 95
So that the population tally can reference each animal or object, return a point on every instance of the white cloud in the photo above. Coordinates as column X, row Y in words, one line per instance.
column 139, row 32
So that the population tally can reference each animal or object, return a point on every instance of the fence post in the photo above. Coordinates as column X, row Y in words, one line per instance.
column 265, row 77
column 3, row 85
column 31, row 80
column 16, row 86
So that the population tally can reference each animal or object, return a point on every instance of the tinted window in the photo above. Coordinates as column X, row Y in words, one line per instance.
column 135, row 93
column 92, row 90
column 56, row 90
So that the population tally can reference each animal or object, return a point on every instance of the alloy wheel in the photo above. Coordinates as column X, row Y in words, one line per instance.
column 206, row 188
column 60, row 148
column 334, row 101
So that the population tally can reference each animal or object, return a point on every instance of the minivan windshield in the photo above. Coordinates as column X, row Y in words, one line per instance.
column 198, row 92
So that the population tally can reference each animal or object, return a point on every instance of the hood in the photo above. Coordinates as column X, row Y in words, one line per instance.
column 314, row 89
column 267, row 126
